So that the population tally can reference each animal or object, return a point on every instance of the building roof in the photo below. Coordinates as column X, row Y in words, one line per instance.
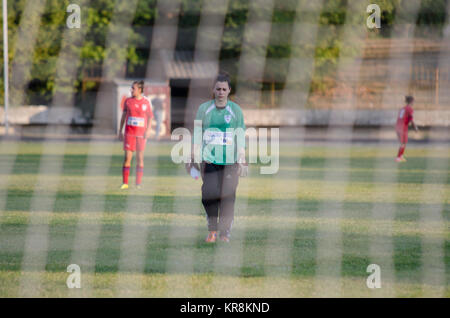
column 181, row 65
column 386, row 48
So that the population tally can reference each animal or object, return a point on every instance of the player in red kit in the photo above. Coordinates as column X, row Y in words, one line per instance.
column 136, row 116
column 405, row 116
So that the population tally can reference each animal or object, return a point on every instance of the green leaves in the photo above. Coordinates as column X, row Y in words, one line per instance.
column 292, row 33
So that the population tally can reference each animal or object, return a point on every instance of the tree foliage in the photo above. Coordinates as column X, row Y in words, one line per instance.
column 326, row 47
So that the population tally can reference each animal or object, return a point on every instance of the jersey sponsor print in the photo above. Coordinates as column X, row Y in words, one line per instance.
column 138, row 114
column 220, row 135
column 405, row 116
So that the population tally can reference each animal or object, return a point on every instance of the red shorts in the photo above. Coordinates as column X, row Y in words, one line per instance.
column 402, row 135
column 134, row 143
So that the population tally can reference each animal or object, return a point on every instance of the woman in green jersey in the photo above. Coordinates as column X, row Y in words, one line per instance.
column 219, row 142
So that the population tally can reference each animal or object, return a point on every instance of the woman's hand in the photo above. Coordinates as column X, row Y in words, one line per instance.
column 243, row 169
column 191, row 164
column 243, row 166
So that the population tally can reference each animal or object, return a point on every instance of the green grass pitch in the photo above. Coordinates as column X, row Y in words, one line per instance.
column 275, row 215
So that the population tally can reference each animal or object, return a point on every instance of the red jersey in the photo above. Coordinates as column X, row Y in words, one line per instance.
column 138, row 114
column 405, row 116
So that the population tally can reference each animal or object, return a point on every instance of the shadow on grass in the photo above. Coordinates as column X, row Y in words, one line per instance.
column 252, row 242
column 74, row 165
column 69, row 202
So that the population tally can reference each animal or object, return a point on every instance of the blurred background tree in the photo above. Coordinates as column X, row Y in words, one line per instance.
column 326, row 49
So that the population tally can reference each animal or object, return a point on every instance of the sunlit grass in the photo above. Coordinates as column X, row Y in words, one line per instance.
column 153, row 210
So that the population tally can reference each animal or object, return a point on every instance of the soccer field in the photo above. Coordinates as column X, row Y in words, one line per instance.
column 310, row 230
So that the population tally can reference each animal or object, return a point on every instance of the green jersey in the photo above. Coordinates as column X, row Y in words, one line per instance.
column 220, row 131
